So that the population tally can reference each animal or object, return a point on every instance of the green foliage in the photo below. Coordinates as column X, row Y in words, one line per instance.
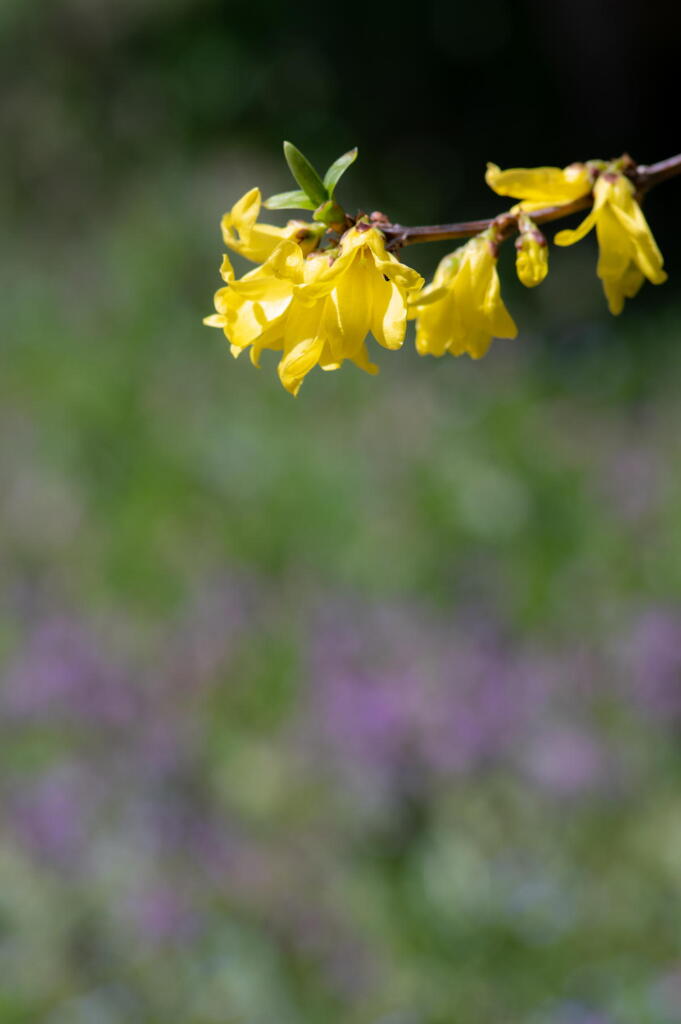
column 338, row 169
column 314, row 194
column 295, row 200
column 305, row 174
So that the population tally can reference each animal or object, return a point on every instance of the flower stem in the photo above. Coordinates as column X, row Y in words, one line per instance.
column 644, row 177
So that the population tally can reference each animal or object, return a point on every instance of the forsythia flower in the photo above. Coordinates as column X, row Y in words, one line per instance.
column 462, row 310
column 532, row 253
column 627, row 250
column 250, row 310
column 540, row 186
column 318, row 310
column 243, row 234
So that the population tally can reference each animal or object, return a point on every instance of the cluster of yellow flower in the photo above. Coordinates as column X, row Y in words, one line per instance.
column 627, row 249
column 320, row 289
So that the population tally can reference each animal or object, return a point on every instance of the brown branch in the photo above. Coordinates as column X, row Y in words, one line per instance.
column 644, row 177
column 647, row 177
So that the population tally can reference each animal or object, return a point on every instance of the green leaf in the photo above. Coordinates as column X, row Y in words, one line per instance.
column 296, row 200
column 305, row 174
column 337, row 169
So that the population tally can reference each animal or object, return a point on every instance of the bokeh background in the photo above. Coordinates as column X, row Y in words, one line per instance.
column 365, row 707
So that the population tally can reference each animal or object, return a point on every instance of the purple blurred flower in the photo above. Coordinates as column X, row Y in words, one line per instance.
column 575, row 1013
column 392, row 686
column 163, row 914
column 565, row 760
column 62, row 672
column 53, row 816
column 651, row 659
column 666, row 993
column 199, row 646
column 632, row 479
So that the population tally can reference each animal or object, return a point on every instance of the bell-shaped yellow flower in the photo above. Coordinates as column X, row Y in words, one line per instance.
column 339, row 299
column 318, row 309
column 532, row 253
column 627, row 250
column 242, row 232
column 462, row 310
column 541, row 186
column 250, row 311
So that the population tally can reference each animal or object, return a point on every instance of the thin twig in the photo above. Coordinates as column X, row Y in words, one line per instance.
column 655, row 173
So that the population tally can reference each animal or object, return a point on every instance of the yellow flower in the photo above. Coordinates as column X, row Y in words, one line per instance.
column 339, row 300
column 627, row 250
column 462, row 310
column 318, row 310
column 541, row 186
column 250, row 310
column 532, row 253
column 243, row 234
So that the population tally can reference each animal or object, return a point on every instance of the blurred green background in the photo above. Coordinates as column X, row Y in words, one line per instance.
column 363, row 707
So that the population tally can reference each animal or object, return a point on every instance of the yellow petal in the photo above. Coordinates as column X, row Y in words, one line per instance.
column 244, row 213
column 569, row 236
column 328, row 361
column 427, row 297
column 358, row 237
column 542, row 185
column 321, row 274
column 303, row 344
column 352, row 299
column 297, row 363
column 248, row 314
column 497, row 318
column 389, row 313
column 287, row 262
column 477, row 344
column 215, row 320
column 243, row 326
column 271, row 337
column 361, row 359
column 405, row 277
column 260, row 287
column 226, row 269
column 648, row 256
column 615, row 248
column 436, row 325
column 324, row 272
column 242, row 234
column 624, row 287
column 284, row 265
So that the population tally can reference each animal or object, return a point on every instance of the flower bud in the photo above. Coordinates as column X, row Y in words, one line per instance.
column 532, row 254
